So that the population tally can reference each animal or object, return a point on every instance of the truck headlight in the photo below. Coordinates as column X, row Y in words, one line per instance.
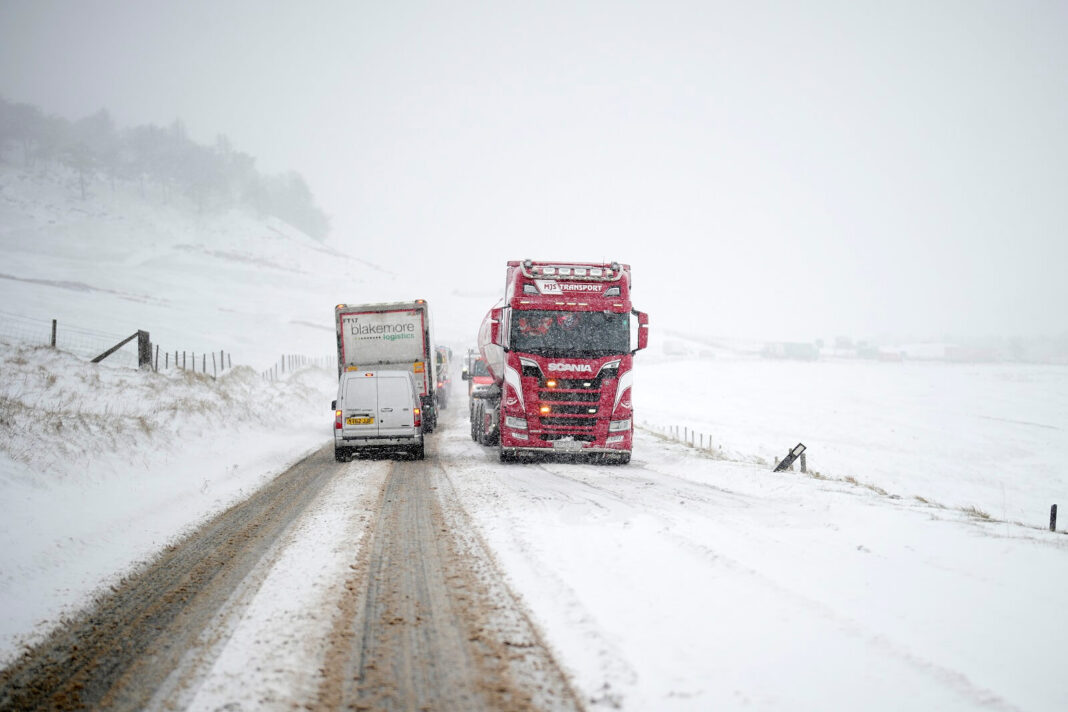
column 517, row 423
column 617, row 425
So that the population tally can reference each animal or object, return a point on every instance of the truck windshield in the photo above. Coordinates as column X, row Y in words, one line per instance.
column 570, row 334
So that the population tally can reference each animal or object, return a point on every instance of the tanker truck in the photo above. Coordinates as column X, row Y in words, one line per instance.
column 560, row 347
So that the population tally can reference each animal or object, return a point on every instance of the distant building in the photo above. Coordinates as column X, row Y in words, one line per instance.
column 794, row 350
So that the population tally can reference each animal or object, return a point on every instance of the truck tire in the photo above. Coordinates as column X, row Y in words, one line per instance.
column 474, row 434
column 477, row 423
column 491, row 437
column 507, row 455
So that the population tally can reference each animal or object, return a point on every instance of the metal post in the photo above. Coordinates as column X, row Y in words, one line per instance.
column 229, row 361
column 53, row 333
column 156, row 367
column 1053, row 518
column 203, row 363
column 214, row 373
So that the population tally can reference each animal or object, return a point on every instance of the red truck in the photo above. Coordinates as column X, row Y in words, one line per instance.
column 560, row 347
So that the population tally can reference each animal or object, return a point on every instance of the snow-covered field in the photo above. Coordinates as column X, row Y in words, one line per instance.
column 989, row 436
column 687, row 580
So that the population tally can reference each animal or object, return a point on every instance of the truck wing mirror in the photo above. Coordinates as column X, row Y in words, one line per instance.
column 465, row 376
column 495, row 325
column 643, row 330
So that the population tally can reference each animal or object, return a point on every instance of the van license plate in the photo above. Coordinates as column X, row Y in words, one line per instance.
column 359, row 421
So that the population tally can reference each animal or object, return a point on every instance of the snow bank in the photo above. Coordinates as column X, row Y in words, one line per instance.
column 103, row 466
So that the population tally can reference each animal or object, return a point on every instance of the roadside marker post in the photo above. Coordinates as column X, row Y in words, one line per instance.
column 788, row 461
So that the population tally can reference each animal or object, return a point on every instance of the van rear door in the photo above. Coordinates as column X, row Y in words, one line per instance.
column 359, row 403
column 396, row 400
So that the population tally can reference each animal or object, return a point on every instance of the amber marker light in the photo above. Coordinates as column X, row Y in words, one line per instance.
column 545, row 409
column 551, row 383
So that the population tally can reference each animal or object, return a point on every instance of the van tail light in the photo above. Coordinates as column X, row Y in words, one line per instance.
column 418, row 413
column 337, row 420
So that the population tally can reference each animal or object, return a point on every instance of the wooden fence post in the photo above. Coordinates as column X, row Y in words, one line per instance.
column 214, row 373
column 203, row 363
column 53, row 333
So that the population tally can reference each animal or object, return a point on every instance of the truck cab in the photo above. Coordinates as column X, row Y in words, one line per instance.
column 560, row 346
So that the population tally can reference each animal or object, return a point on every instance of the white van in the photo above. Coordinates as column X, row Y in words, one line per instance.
column 377, row 410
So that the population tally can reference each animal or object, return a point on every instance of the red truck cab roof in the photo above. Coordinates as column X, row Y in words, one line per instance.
column 577, row 286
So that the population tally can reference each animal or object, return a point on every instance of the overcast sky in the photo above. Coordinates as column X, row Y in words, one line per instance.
column 785, row 170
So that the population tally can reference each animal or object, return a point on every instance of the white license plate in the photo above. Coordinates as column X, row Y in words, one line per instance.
column 567, row 445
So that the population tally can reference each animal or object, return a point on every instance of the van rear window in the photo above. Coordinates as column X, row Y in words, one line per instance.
column 360, row 393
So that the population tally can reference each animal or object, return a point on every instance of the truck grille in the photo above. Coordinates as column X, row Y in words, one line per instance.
column 575, row 421
column 570, row 396
column 571, row 400
column 588, row 410
column 585, row 384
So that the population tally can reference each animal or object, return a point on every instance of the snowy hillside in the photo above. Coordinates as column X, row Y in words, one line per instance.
column 120, row 261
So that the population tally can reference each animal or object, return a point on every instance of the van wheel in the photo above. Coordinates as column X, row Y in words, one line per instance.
column 419, row 452
column 342, row 454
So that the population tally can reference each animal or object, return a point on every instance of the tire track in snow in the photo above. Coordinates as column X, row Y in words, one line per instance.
column 426, row 619
column 633, row 494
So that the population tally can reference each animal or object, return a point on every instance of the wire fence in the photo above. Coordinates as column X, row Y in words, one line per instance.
column 90, row 343
column 82, row 342
column 702, row 442
column 288, row 363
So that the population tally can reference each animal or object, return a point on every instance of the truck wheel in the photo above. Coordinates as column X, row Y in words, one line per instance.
column 477, row 422
column 492, row 438
column 507, row 455
column 474, row 435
